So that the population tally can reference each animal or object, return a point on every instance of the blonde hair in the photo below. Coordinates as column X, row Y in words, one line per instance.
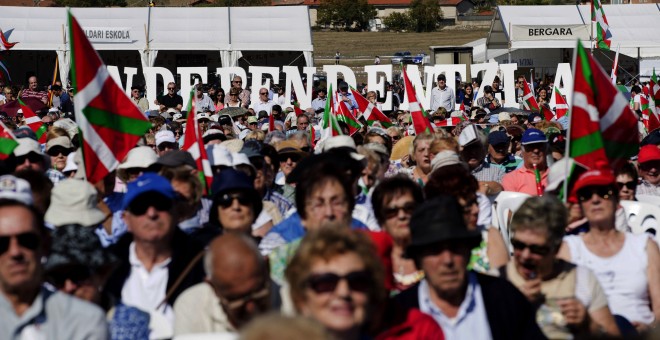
column 443, row 143
column 257, row 135
column 56, row 131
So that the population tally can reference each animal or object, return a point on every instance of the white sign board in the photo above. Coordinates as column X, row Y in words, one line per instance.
column 108, row 34
column 549, row 32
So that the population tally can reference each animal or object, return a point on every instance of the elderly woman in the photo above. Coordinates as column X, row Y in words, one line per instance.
column 570, row 302
column 451, row 176
column 626, row 265
column 421, row 157
column 337, row 280
column 58, row 149
column 394, row 201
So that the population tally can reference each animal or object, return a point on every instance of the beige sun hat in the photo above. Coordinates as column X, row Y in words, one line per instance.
column 74, row 201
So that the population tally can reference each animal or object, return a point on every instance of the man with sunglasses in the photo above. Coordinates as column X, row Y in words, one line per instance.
column 166, row 142
column 525, row 179
column 465, row 304
column 649, row 169
column 243, row 94
column 263, row 103
column 28, row 310
column 157, row 259
column 170, row 100
column 237, row 289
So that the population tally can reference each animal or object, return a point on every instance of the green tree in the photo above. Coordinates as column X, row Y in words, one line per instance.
column 346, row 14
column 425, row 15
column 397, row 21
column 241, row 3
column 90, row 3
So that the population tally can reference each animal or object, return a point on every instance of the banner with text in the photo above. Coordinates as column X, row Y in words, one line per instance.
column 549, row 32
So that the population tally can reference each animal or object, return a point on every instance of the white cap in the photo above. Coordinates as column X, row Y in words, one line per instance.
column 203, row 115
column 139, row 157
column 62, row 141
column 219, row 155
column 240, row 159
column 16, row 189
column 445, row 158
column 177, row 116
column 165, row 136
column 70, row 163
column 342, row 141
column 27, row 145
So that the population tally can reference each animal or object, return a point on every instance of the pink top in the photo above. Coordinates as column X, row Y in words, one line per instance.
column 523, row 180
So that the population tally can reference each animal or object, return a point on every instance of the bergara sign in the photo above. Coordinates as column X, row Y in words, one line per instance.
column 549, row 32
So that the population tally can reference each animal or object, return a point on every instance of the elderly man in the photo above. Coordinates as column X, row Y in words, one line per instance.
column 442, row 95
column 28, row 310
column 498, row 152
column 237, row 289
column 649, row 170
column 532, row 177
column 488, row 175
column 203, row 103
column 465, row 304
column 139, row 101
column 171, row 100
column 264, row 104
column 158, row 260
column 302, row 122
column 33, row 91
column 244, row 94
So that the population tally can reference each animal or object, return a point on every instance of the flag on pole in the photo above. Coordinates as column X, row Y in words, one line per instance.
column 561, row 108
column 603, row 35
column 7, row 142
column 655, row 89
column 312, row 136
column 616, row 65
column 370, row 112
column 451, row 121
column 297, row 109
column 419, row 117
column 33, row 121
column 546, row 112
column 344, row 115
column 649, row 118
column 5, row 45
column 194, row 144
column 4, row 73
column 329, row 125
column 110, row 124
column 529, row 102
column 602, row 126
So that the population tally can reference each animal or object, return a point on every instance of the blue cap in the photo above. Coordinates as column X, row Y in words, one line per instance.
column 231, row 179
column 148, row 182
column 534, row 117
column 498, row 137
column 532, row 136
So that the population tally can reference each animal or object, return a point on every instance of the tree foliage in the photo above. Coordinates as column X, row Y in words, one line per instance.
column 398, row 21
column 241, row 3
column 346, row 14
column 91, row 3
column 425, row 15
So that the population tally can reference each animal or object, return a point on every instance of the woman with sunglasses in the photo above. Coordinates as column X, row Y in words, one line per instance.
column 569, row 300
column 626, row 182
column 337, row 280
column 233, row 100
column 626, row 265
column 59, row 148
column 236, row 203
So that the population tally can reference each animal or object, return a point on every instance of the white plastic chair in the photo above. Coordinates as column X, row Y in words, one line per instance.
column 638, row 212
column 505, row 205
column 653, row 199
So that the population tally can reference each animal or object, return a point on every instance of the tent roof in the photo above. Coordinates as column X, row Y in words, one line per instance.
column 181, row 28
column 630, row 26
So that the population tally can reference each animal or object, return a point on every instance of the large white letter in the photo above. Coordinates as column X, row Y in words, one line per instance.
column 487, row 78
column 509, row 82
column 293, row 79
column 450, row 71
column 257, row 73
column 185, row 73
column 150, row 77
column 565, row 76
column 377, row 83
column 130, row 73
column 331, row 72
column 227, row 73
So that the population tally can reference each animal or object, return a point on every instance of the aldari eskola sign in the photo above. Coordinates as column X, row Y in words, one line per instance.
column 108, row 34
column 377, row 75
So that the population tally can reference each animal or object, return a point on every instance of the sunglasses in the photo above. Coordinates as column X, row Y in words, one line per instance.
column 263, row 93
column 237, row 82
column 395, row 138
column 56, row 151
column 32, row 157
column 78, row 276
column 227, row 200
column 533, row 248
column 630, row 185
column 27, row 240
column 285, row 157
column 167, row 145
column 391, row 212
column 587, row 193
column 359, row 281
column 235, row 304
column 170, row 88
column 140, row 206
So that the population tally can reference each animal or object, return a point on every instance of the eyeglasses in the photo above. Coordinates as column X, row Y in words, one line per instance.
column 32, row 157
column 533, row 248
column 532, row 147
column 358, row 281
column 140, row 206
column 27, row 240
column 240, row 302
column 170, row 88
column 263, row 93
column 391, row 212
column 227, row 200
column 395, row 137
column 587, row 193
column 237, row 81
column 630, row 185
column 292, row 156
column 56, row 151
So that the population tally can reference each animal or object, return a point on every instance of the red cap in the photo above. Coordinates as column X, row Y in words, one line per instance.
column 648, row 153
column 596, row 177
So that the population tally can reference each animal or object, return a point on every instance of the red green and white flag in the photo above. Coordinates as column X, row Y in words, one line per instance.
column 649, row 118
column 529, row 102
column 547, row 113
column 330, row 126
column 110, row 124
column 451, row 121
column 194, row 144
column 4, row 72
column 419, row 117
column 33, row 121
column 345, row 115
column 655, row 89
column 297, row 109
column 603, row 35
column 7, row 142
column 561, row 107
column 601, row 121
column 370, row 112
column 5, row 45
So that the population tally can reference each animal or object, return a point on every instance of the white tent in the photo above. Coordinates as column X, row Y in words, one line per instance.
column 150, row 30
column 634, row 28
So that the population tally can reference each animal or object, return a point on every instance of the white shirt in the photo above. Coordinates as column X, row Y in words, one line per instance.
column 471, row 322
column 146, row 290
column 442, row 98
column 265, row 106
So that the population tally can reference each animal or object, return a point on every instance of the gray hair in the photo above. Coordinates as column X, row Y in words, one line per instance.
column 277, row 135
column 544, row 213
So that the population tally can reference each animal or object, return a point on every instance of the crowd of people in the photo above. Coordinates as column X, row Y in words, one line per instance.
column 382, row 234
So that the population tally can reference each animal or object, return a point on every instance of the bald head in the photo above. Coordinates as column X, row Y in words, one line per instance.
column 233, row 253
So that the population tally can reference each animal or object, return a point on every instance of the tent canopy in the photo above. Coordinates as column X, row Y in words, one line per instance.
column 632, row 27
